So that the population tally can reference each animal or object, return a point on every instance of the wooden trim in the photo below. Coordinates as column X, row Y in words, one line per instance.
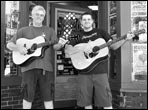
column 103, row 15
column 2, row 35
column 24, row 13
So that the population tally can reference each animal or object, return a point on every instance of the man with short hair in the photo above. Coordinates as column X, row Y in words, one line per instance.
column 39, row 70
column 97, row 78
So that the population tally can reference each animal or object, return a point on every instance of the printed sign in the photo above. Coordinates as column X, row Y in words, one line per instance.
column 139, row 63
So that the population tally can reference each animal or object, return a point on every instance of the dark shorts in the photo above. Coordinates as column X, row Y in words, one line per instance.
column 97, row 82
column 31, row 78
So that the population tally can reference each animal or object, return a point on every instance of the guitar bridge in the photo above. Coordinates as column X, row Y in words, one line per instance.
column 86, row 56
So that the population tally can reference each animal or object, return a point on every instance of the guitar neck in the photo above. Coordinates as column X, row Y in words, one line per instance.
column 111, row 42
column 116, row 40
column 44, row 44
column 123, row 37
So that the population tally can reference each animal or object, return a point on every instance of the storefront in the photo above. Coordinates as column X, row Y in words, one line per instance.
column 127, row 66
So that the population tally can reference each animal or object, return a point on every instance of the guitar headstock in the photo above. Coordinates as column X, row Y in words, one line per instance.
column 130, row 35
column 139, row 32
column 68, row 24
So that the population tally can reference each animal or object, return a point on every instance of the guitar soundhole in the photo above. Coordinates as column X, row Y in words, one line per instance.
column 32, row 49
column 92, row 54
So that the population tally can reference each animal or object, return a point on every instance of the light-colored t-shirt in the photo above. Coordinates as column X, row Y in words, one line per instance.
column 31, row 32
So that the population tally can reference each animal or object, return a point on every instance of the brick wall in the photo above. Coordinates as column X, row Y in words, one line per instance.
column 129, row 100
column 11, row 98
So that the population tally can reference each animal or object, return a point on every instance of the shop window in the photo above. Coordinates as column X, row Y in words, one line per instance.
column 113, row 32
column 139, row 44
column 139, row 19
column 67, row 23
column 11, row 26
column 139, row 62
column 113, row 19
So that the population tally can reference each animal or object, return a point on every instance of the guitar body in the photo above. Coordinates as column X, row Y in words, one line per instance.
column 79, row 59
column 85, row 62
column 20, row 59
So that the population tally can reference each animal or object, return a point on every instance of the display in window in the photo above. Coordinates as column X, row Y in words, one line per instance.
column 139, row 19
column 113, row 19
column 139, row 64
column 113, row 7
column 113, row 24
column 12, row 25
column 67, row 22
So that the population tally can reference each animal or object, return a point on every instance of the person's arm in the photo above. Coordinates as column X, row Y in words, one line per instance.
column 61, row 43
column 54, row 39
column 13, row 47
column 118, row 44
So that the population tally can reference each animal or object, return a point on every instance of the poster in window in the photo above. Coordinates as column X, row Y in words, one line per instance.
column 12, row 25
column 138, row 12
column 139, row 64
column 113, row 22
column 113, row 7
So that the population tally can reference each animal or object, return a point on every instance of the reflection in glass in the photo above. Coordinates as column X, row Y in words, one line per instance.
column 12, row 24
column 68, row 22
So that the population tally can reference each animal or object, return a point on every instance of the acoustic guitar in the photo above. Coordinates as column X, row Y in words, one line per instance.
column 35, row 49
column 85, row 62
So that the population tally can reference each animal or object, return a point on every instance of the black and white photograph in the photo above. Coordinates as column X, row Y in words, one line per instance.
column 73, row 54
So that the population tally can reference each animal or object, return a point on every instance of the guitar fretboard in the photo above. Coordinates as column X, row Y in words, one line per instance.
column 44, row 44
column 116, row 40
column 111, row 42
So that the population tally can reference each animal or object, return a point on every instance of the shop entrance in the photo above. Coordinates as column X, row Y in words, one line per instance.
column 64, row 19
